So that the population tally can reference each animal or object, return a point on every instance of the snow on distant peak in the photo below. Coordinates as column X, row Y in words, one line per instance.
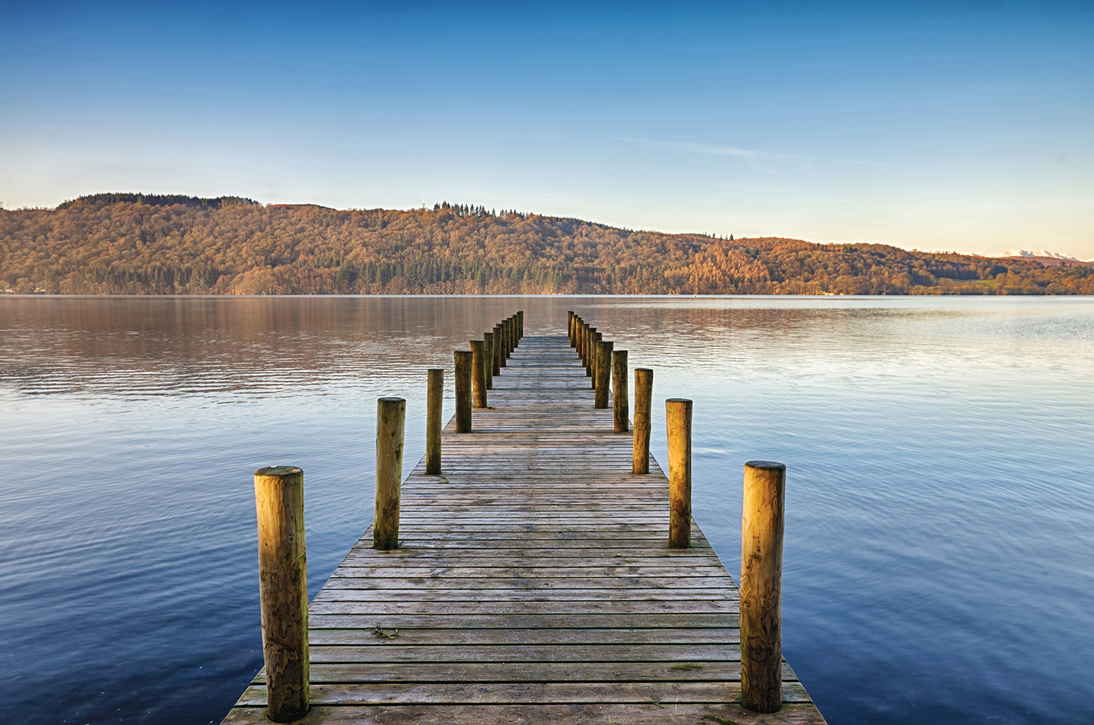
column 1028, row 253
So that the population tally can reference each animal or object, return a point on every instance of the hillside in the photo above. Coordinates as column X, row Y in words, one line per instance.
column 135, row 244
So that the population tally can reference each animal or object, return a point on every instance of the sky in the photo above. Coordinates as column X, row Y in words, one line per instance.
column 933, row 126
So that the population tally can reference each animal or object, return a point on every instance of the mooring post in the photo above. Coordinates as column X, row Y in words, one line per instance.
column 463, row 391
column 678, row 425
column 619, row 391
column 603, row 372
column 283, row 590
column 570, row 326
column 434, row 400
column 390, row 424
column 643, row 401
column 488, row 358
column 520, row 324
column 504, row 329
column 594, row 351
column 761, row 585
column 590, row 350
column 497, row 350
column 478, row 372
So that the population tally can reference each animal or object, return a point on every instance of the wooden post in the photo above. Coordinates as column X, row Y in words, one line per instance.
column 520, row 325
column 283, row 590
column 594, row 356
column 390, row 424
column 603, row 373
column 434, row 400
column 590, row 349
column 761, row 585
column 678, row 425
column 570, row 326
column 579, row 338
column 463, row 391
column 643, row 401
column 504, row 329
column 478, row 372
column 497, row 351
column 619, row 391
column 488, row 358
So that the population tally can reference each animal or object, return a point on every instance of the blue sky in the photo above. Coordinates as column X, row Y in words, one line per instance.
column 963, row 126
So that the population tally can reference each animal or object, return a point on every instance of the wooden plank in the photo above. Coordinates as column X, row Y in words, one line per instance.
column 533, row 584
column 375, row 673
column 586, row 714
column 472, row 693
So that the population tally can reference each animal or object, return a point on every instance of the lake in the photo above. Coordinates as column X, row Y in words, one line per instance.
column 939, row 555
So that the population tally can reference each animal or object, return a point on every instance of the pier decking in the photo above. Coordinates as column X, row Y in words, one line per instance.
column 533, row 584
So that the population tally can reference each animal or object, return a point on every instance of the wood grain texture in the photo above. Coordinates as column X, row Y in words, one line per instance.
column 533, row 583
column 463, row 391
column 283, row 589
column 678, row 427
column 390, row 427
column 761, row 584
column 433, row 423
column 478, row 372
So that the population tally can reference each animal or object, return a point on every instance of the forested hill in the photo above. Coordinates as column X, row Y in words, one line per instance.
column 138, row 244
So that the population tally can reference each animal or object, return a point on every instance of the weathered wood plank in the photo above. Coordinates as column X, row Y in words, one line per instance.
column 537, row 714
column 499, row 693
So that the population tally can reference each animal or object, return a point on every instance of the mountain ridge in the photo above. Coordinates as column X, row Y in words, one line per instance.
column 174, row 244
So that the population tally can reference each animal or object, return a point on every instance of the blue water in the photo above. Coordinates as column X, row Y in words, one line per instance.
column 939, row 560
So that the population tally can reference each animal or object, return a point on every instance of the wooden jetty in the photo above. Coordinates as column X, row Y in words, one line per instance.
column 533, row 583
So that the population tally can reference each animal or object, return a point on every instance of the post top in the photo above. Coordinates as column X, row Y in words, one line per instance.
column 278, row 471
column 766, row 465
column 391, row 399
column 677, row 400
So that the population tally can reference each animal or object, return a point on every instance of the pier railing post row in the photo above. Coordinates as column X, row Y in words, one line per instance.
column 602, row 379
column 390, row 425
column 283, row 590
column 463, row 391
column 678, row 426
column 619, row 391
column 488, row 358
column 761, row 585
column 478, row 372
column 643, row 402
column 434, row 401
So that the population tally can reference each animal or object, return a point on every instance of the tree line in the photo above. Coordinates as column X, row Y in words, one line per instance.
column 148, row 244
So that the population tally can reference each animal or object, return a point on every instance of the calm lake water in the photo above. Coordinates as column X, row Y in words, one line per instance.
column 939, row 558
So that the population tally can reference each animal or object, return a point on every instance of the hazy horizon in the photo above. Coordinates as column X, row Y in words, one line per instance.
column 936, row 127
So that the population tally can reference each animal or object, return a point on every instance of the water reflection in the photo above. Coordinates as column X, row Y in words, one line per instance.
column 939, row 535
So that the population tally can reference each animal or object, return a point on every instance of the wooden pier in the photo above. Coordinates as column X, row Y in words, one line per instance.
column 533, row 584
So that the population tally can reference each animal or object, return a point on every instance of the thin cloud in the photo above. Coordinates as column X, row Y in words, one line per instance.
column 762, row 160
